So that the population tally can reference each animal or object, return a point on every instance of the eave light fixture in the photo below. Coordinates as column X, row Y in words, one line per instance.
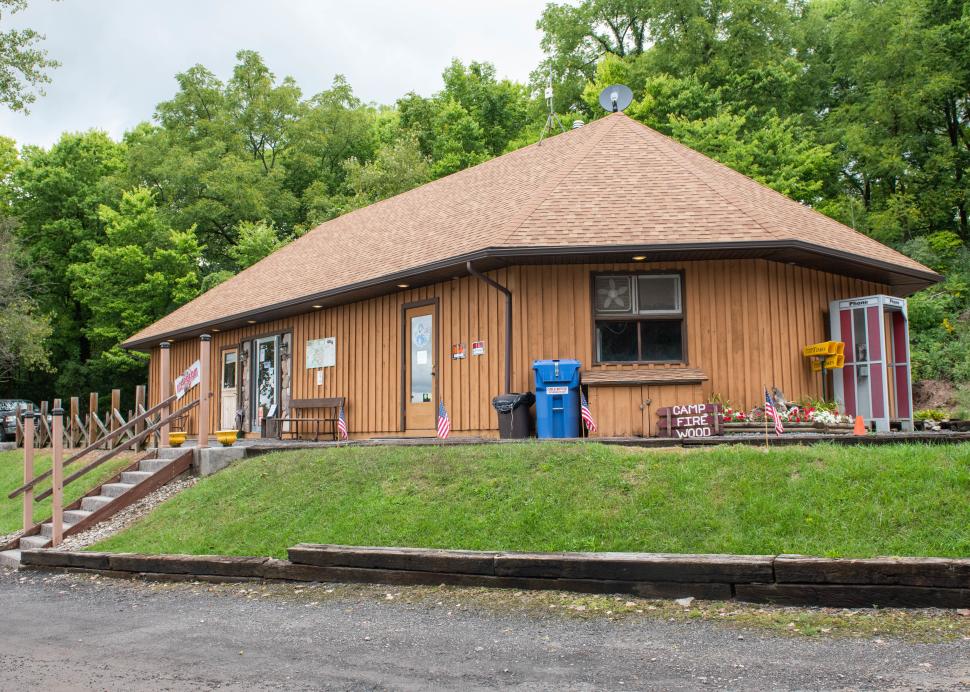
column 316, row 307
column 639, row 258
column 404, row 285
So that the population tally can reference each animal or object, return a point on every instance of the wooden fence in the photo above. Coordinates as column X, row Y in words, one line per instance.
column 91, row 427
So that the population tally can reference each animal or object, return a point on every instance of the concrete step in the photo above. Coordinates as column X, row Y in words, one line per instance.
column 73, row 516
column 153, row 465
column 115, row 489
column 135, row 477
column 47, row 530
column 34, row 542
column 89, row 504
column 170, row 453
column 10, row 559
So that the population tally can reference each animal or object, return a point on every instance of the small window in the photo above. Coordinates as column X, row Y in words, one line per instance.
column 661, row 340
column 639, row 318
column 229, row 370
column 618, row 341
column 658, row 293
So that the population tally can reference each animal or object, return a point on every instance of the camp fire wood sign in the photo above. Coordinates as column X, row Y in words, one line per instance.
column 689, row 420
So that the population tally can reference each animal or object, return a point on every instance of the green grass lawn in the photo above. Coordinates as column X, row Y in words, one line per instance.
column 818, row 500
column 12, row 476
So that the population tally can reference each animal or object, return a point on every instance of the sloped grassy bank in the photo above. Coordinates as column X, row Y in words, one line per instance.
column 820, row 500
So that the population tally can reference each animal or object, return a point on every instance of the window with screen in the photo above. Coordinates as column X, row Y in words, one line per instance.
column 638, row 318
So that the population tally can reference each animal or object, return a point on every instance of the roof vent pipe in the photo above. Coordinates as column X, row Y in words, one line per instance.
column 577, row 124
column 508, row 321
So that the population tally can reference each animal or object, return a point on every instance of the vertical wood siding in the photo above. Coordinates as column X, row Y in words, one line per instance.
column 746, row 323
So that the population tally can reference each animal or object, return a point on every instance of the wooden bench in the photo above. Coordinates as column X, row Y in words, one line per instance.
column 298, row 424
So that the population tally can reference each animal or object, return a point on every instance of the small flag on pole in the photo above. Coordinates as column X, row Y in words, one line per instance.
column 770, row 411
column 444, row 422
column 586, row 413
column 342, row 425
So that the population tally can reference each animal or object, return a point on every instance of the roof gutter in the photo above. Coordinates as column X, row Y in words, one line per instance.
column 508, row 320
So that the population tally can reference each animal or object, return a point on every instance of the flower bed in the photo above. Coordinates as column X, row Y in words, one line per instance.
column 794, row 419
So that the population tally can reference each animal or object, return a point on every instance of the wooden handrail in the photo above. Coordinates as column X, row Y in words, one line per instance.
column 93, row 446
column 117, row 450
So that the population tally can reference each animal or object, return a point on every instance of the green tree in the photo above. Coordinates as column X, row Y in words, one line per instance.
column 215, row 158
column 55, row 198
column 898, row 110
column 143, row 270
column 256, row 240
column 24, row 330
column 398, row 167
column 24, row 66
column 779, row 153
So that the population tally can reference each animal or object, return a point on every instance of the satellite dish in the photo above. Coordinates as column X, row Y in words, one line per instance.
column 615, row 98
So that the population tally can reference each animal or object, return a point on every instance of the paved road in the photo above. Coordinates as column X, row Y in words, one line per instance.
column 65, row 632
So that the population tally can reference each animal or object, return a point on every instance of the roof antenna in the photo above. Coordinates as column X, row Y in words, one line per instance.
column 615, row 98
column 553, row 117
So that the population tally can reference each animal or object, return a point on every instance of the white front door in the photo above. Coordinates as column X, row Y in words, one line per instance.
column 266, row 382
column 230, row 396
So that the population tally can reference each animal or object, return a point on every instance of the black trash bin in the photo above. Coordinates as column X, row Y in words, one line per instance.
column 513, row 414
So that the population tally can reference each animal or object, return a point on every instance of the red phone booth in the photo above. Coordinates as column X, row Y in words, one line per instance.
column 876, row 382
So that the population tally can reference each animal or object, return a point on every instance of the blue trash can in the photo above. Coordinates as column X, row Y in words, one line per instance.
column 557, row 398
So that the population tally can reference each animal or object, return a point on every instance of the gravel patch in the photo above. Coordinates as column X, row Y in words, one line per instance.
column 71, row 631
column 127, row 516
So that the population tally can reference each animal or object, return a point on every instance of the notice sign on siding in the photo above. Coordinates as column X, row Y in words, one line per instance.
column 321, row 353
column 689, row 420
column 188, row 379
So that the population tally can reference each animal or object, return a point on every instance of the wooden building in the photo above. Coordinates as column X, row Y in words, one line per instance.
column 669, row 276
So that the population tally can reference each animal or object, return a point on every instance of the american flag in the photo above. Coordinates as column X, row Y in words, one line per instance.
column 444, row 422
column 586, row 413
column 342, row 425
column 770, row 411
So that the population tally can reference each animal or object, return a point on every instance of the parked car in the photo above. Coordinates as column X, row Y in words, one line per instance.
column 8, row 423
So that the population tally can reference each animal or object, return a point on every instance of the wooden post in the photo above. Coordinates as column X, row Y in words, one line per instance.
column 92, row 418
column 57, row 482
column 205, row 389
column 75, row 414
column 112, row 418
column 57, row 405
column 165, row 377
column 139, row 406
column 44, row 437
column 28, row 468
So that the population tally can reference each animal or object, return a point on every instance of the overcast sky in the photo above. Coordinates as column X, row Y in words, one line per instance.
column 119, row 57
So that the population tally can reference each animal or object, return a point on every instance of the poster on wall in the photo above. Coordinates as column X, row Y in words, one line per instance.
column 458, row 351
column 321, row 353
column 478, row 348
column 188, row 379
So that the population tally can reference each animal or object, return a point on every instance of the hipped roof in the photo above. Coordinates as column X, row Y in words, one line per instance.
column 604, row 191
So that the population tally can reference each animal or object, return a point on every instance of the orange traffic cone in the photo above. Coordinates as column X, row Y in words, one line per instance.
column 860, row 427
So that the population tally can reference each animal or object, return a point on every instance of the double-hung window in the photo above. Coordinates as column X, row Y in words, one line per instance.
column 639, row 318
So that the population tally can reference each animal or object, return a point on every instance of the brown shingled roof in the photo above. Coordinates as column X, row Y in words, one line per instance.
column 611, row 185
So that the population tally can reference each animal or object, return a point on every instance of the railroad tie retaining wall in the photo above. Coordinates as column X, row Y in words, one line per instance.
column 782, row 579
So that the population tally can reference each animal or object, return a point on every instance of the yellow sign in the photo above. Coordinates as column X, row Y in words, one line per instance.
column 830, row 362
column 836, row 361
column 825, row 348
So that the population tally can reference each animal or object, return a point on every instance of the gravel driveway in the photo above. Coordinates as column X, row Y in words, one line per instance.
column 72, row 632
